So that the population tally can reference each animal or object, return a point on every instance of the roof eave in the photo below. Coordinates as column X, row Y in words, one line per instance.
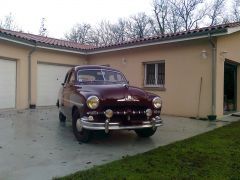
column 166, row 40
column 57, row 48
column 31, row 43
column 17, row 40
column 233, row 29
column 158, row 42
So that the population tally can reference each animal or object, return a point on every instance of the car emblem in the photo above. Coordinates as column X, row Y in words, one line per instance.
column 128, row 98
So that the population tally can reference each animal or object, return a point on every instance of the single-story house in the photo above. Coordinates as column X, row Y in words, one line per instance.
column 195, row 72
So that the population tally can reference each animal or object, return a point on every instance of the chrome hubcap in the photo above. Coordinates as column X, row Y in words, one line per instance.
column 79, row 125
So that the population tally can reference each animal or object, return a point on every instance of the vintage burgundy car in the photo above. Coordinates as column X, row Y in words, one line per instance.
column 100, row 98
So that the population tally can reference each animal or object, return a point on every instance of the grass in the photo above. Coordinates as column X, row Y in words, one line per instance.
column 213, row 155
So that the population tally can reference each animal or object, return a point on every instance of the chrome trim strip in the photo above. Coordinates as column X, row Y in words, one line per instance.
column 73, row 102
column 108, row 125
column 128, row 98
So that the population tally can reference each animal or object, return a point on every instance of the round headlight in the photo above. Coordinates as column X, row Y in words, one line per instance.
column 108, row 113
column 157, row 102
column 93, row 102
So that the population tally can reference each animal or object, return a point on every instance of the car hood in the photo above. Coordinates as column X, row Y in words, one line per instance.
column 119, row 92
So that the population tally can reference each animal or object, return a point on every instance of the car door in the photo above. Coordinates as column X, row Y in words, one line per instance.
column 60, row 94
column 68, row 90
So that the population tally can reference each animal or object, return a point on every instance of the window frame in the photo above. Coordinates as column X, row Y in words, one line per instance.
column 155, row 75
column 66, row 78
column 72, row 78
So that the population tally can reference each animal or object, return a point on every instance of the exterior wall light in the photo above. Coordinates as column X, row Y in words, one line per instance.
column 124, row 61
column 204, row 54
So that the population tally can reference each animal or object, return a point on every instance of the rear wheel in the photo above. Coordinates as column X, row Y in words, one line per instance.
column 147, row 132
column 81, row 134
column 62, row 117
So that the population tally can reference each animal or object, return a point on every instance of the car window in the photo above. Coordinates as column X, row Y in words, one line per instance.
column 113, row 76
column 89, row 75
column 101, row 75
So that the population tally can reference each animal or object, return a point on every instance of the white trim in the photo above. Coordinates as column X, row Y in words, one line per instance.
column 154, row 86
column 145, row 77
column 233, row 29
column 153, row 62
column 155, row 75
column 17, row 42
column 56, row 64
column 62, row 50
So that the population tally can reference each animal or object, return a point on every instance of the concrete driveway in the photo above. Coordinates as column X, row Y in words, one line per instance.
column 34, row 145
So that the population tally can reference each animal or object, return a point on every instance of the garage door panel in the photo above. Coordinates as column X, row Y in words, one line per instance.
column 7, row 84
column 49, row 81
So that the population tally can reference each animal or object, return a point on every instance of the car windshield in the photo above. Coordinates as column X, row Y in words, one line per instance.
column 100, row 75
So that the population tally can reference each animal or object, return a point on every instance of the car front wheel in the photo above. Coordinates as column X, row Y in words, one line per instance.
column 147, row 132
column 81, row 134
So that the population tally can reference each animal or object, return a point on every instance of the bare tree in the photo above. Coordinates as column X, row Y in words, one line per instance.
column 215, row 12
column 236, row 10
column 174, row 21
column 93, row 38
column 139, row 26
column 80, row 33
column 168, row 16
column 110, row 33
column 189, row 11
column 119, row 31
column 8, row 22
column 161, row 9
column 43, row 29
column 104, row 33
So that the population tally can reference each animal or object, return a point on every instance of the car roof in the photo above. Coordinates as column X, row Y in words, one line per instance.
column 82, row 67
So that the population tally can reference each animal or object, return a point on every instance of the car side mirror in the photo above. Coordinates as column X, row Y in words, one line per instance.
column 62, row 84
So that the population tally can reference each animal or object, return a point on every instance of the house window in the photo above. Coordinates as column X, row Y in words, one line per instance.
column 155, row 74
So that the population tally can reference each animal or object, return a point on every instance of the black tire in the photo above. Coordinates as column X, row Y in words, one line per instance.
column 62, row 117
column 82, row 136
column 147, row 132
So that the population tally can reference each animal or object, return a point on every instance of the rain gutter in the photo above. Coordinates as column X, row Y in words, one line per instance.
column 214, row 63
column 31, row 106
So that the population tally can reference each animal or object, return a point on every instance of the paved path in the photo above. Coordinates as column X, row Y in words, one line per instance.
column 33, row 145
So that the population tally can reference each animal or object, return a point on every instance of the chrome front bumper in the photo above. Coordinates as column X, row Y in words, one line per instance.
column 108, row 125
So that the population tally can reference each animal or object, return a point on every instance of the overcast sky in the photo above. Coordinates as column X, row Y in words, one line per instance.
column 61, row 15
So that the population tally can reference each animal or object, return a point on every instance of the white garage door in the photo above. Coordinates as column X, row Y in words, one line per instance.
column 49, row 79
column 7, row 84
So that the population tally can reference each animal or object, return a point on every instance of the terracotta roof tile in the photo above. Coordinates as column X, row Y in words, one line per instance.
column 194, row 32
column 52, row 42
column 45, row 40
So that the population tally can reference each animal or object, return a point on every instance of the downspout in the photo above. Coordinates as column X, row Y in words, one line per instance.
column 214, row 55
column 31, row 106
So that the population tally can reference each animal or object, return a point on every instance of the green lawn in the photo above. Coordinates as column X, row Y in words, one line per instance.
column 213, row 155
